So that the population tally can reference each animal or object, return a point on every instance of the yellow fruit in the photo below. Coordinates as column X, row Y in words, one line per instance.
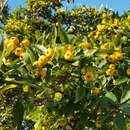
column 128, row 17
column 22, row 56
column 86, row 44
column 75, row 20
column 15, row 40
column 128, row 71
column 43, row 60
column 35, row 5
column 43, row 127
column 114, row 72
column 38, row 64
column 18, row 51
column 95, row 91
column 89, row 76
column 95, row 47
column 112, row 66
column 38, row 20
column 117, row 49
column 104, row 46
column 108, row 72
column 98, row 124
column 79, row 25
column 111, row 72
column 111, row 58
column 90, row 34
column 43, row 74
column 100, row 27
column 49, row 52
column 114, row 82
column 96, row 37
column 68, row 56
column 118, row 55
column 68, row 47
column 10, row 43
column 106, row 56
column 26, row 42
column 58, row 11
column 62, row 123
column 116, row 22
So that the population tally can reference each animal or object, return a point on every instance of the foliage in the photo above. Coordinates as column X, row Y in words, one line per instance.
column 63, row 69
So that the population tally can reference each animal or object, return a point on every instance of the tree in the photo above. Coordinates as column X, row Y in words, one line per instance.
column 64, row 70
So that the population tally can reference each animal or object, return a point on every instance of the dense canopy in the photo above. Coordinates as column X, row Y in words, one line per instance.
column 64, row 70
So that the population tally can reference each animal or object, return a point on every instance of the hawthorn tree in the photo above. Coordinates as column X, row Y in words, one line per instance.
column 66, row 70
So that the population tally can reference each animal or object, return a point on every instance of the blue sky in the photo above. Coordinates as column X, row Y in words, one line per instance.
column 116, row 5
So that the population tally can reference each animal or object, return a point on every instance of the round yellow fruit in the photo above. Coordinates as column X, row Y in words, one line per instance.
column 111, row 58
column 15, row 40
column 43, row 60
column 89, row 76
column 68, row 56
column 112, row 66
column 98, row 124
column 18, row 51
column 106, row 56
column 95, row 91
column 26, row 42
column 22, row 56
column 62, row 123
column 128, row 71
column 49, row 52
column 68, row 47
column 43, row 74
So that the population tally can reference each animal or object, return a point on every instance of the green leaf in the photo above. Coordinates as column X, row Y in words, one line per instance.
column 27, row 58
column 35, row 113
column 48, row 75
column 83, row 118
column 120, row 121
column 111, row 96
column 37, row 34
column 14, row 67
column 126, row 109
column 121, row 80
column 31, row 54
column 41, row 48
column 7, row 87
column 125, row 96
column 54, row 43
column 105, row 116
column 18, row 112
column 25, row 81
column 90, row 52
column 63, row 36
column 80, row 94
column 1, row 58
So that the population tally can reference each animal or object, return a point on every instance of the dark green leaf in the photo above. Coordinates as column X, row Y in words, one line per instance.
column 111, row 96
column 120, row 121
column 125, row 96
column 80, row 94
column 121, row 80
column 18, row 112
